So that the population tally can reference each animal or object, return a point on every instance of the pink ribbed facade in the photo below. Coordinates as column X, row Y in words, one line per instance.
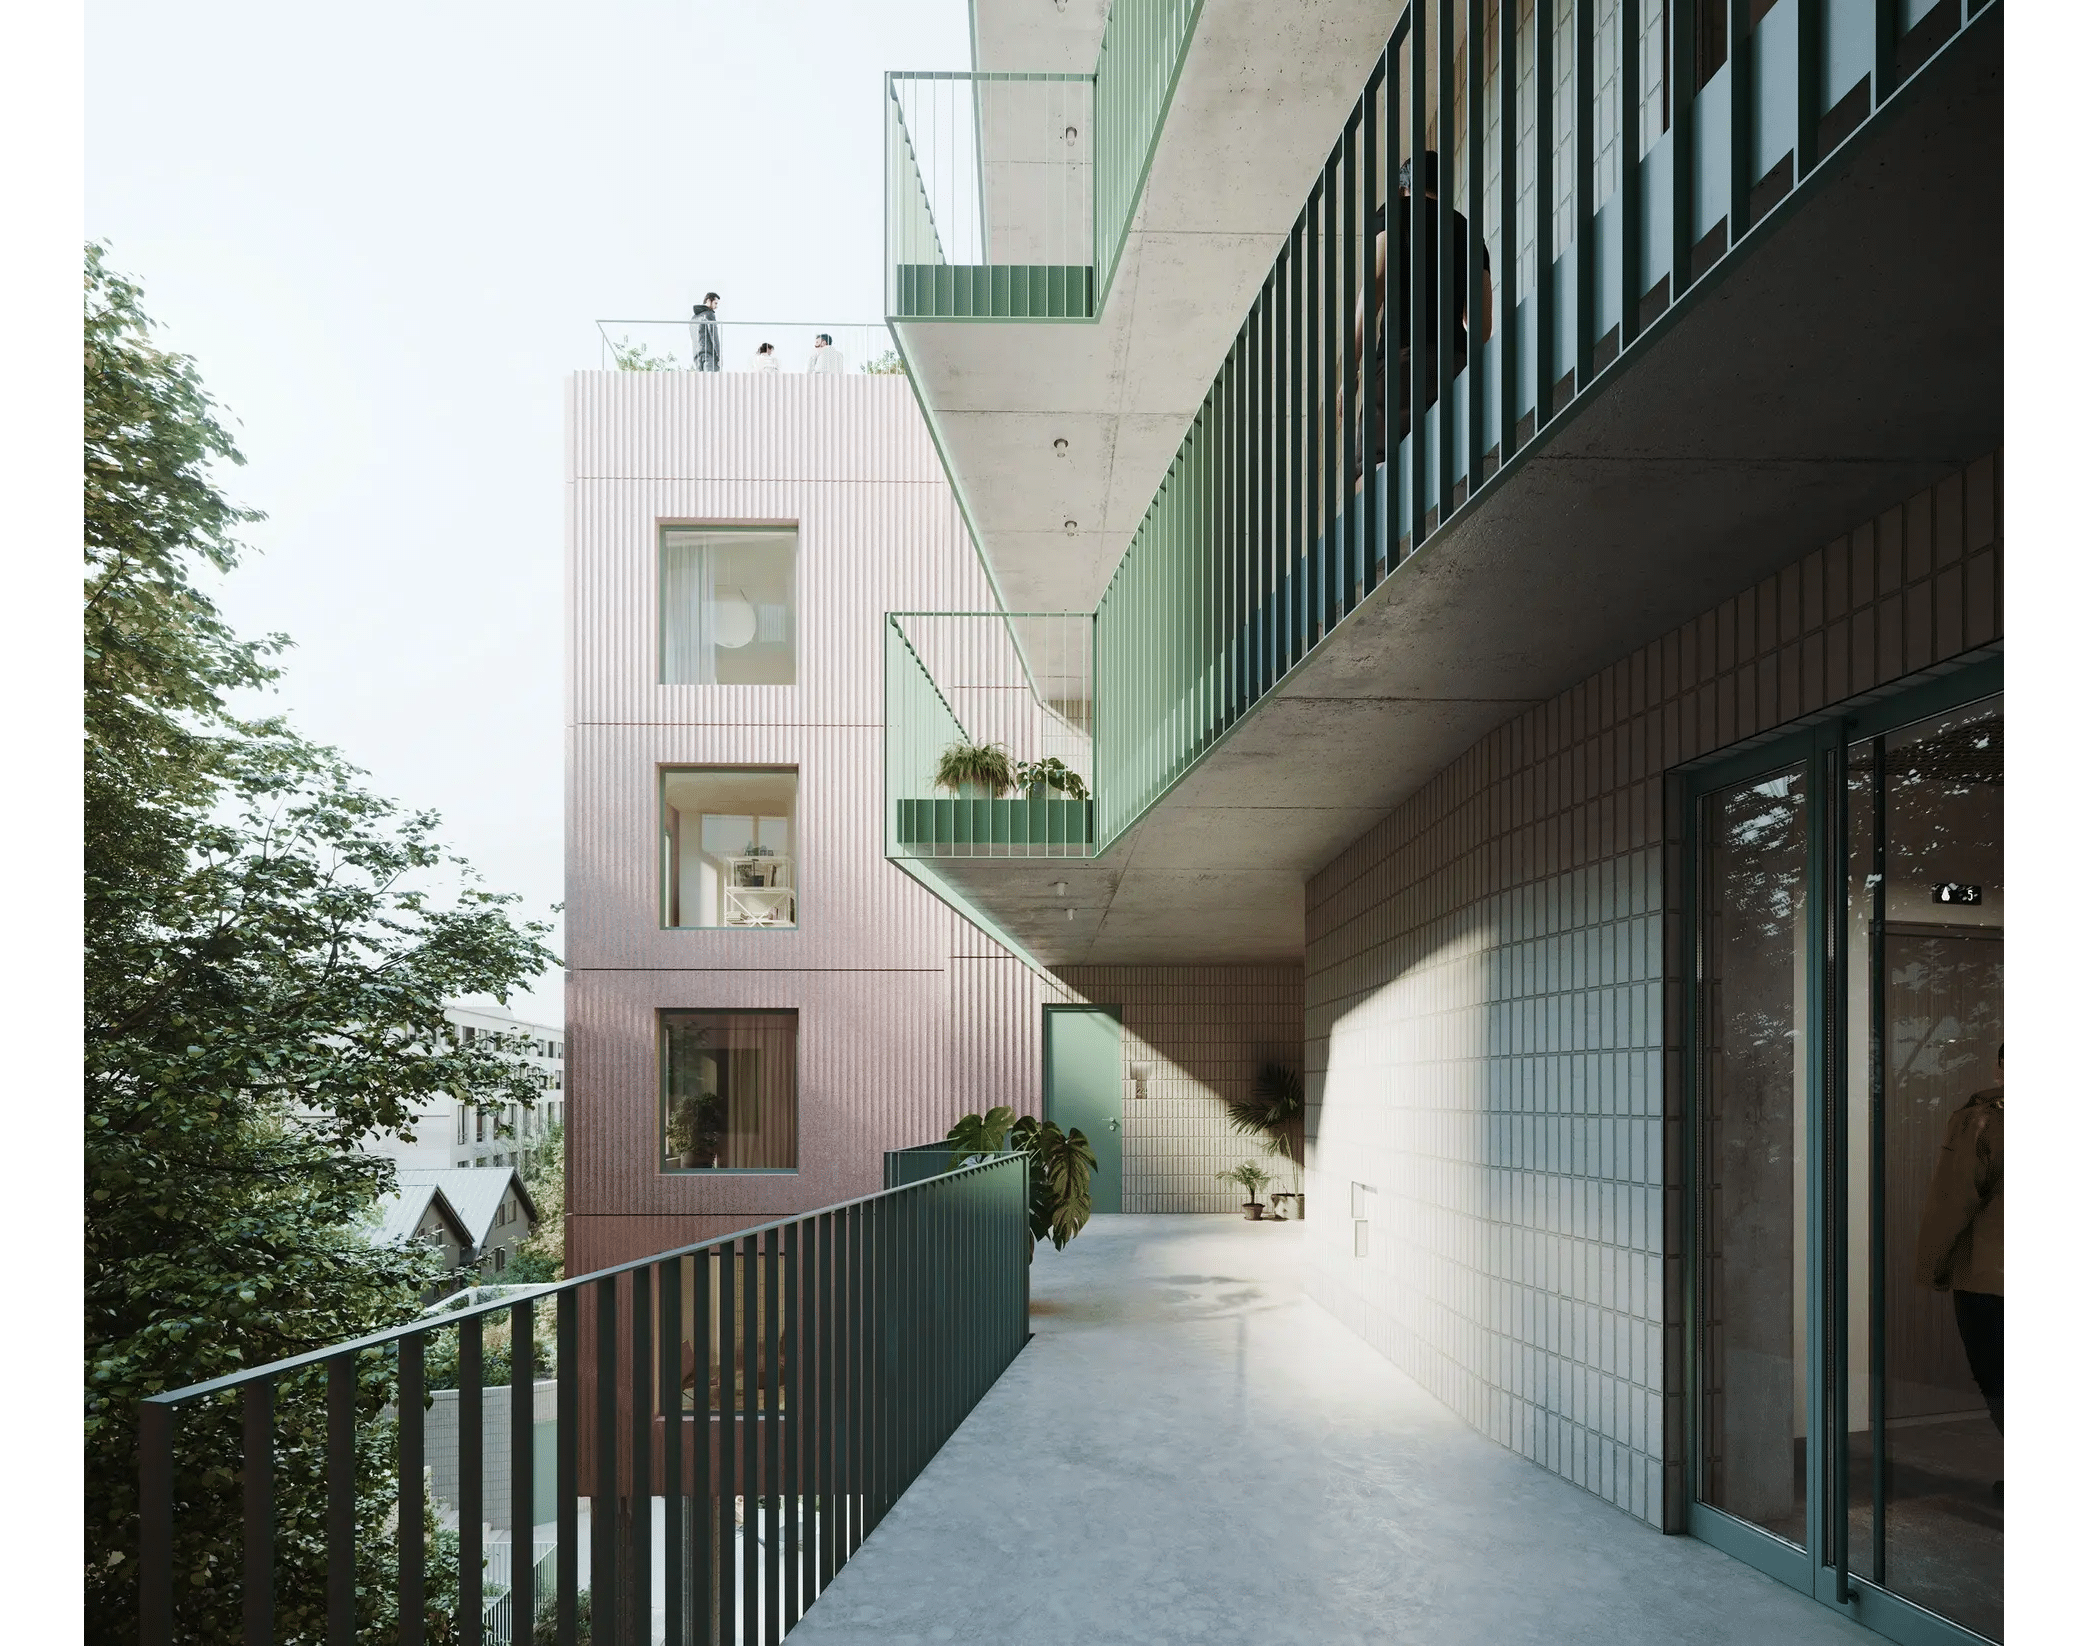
column 907, row 1014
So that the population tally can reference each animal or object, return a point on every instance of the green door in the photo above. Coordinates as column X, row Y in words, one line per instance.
column 1084, row 1088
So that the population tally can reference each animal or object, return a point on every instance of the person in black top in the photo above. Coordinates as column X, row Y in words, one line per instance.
column 1460, row 332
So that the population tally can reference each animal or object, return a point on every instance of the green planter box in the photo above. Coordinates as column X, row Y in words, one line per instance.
column 1025, row 822
column 996, row 291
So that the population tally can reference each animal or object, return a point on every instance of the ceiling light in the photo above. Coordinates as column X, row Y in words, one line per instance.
column 1059, row 446
column 1059, row 886
column 1069, row 914
column 1072, row 526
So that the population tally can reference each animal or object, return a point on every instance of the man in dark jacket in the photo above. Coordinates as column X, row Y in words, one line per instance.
column 1958, row 1247
column 1462, row 325
column 703, row 333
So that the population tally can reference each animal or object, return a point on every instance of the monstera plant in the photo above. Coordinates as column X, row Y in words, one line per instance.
column 1061, row 1167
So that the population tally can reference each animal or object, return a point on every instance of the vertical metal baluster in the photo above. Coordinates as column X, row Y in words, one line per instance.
column 155, row 1524
column 750, row 1421
column 1332, row 460
column 829, row 1416
column 1682, row 142
column 1546, row 171
column 340, row 1500
column 1373, row 425
column 522, row 1470
column 471, row 1453
column 1740, row 139
column 1446, row 261
column 1806, row 151
column 1884, row 51
column 1510, row 351
column 638, row 1626
column 1353, row 458
column 603, row 1586
column 705, row 1520
column 1475, row 244
column 1583, row 194
column 568, row 1438
column 1417, row 326
column 1294, row 448
column 413, row 1531
column 796, row 1585
column 1632, row 265
column 771, row 1432
column 1312, row 476
column 257, row 1495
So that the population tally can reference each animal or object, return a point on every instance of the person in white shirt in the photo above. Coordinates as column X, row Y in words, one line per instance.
column 765, row 358
column 825, row 357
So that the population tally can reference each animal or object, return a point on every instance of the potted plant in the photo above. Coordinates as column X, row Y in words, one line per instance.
column 1039, row 779
column 1253, row 1179
column 975, row 771
column 1270, row 1112
column 1061, row 1167
column 695, row 1128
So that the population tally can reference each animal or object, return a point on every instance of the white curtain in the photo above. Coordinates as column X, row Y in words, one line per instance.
column 688, row 646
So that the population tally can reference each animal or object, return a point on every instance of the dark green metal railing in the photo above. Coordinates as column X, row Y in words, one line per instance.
column 1305, row 479
column 798, row 1375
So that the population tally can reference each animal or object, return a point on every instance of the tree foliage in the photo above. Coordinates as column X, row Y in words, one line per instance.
column 268, row 950
column 542, row 1256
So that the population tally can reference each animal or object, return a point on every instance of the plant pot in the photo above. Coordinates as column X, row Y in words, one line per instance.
column 689, row 1162
column 1253, row 1209
column 977, row 791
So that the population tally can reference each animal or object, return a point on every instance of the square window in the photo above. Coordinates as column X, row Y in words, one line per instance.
column 728, row 606
column 728, row 846
column 728, row 1090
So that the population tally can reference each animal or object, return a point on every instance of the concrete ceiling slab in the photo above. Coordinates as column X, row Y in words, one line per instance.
column 1848, row 357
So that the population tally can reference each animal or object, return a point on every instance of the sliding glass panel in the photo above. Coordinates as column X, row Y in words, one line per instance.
column 1754, row 1370
column 1925, row 946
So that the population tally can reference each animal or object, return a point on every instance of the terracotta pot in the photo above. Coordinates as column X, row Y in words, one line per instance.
column 1253, row 1209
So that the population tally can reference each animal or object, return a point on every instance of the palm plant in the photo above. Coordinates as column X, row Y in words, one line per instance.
column 986, row 764
column 1249, row 1177
column 1270, row 1109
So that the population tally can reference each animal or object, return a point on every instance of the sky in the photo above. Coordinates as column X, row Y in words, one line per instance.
column 385, row 233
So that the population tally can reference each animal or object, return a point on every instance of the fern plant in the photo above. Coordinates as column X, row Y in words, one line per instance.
column 986, row 764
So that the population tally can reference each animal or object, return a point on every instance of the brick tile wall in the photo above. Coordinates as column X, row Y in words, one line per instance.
column 1494, row 993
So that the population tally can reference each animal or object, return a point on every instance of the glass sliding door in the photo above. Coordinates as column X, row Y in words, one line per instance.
column 1753, row 957
column 1924, row 1205
column 1846, row 1208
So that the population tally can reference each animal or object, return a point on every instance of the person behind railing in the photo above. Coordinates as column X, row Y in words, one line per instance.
column 825, row 357
column 766, row 358
column 703, row 333
column 1460, row 239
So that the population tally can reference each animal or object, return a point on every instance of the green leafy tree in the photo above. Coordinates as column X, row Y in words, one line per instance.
column 268, row 950
column 542, row 1256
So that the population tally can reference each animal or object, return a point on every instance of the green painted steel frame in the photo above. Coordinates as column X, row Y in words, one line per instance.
column 1251, row 553
column 1821, row 745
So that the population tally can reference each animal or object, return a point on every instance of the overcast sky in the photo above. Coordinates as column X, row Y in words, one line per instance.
column 385, row 232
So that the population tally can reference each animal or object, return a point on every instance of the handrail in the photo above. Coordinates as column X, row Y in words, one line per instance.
column 843, row 1346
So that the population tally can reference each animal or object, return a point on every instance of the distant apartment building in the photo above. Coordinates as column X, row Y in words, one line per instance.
column 449, row 1133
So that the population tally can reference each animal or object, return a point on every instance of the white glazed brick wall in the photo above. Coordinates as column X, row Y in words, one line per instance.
column 1494, row 998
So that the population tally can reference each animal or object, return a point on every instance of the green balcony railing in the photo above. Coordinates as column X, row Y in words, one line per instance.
column 767, row 1394
column 1020, row 683
column 1304, row 479
column 1008, row 196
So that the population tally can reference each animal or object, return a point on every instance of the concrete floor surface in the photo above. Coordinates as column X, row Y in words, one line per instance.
column 1192, row 1450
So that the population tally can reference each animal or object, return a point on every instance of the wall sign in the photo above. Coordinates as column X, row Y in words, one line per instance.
column 1953, row 891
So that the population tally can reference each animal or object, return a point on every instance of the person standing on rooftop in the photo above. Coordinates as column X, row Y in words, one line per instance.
column 765, row 358
column 825, row 357
column 703, row 333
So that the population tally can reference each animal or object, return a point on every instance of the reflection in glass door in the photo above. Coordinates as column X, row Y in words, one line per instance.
column 1753, row 950
column 1847, row 1125
column 1924, row 1149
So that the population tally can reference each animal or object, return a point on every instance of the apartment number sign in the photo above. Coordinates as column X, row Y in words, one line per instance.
column 1953, row 891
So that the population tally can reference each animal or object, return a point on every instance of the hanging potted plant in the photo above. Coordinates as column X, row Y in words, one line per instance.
column 1253, row 1179
column 975, row 771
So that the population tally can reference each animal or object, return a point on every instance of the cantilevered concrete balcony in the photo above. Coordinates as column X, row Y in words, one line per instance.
column 1724, row 332
column 1192, row 1450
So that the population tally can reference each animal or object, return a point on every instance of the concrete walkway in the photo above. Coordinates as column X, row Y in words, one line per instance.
column 1191, row 1450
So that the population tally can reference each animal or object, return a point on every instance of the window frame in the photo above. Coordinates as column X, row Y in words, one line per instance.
column 664, row 1162
column 666, row 768
column 661, row 527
